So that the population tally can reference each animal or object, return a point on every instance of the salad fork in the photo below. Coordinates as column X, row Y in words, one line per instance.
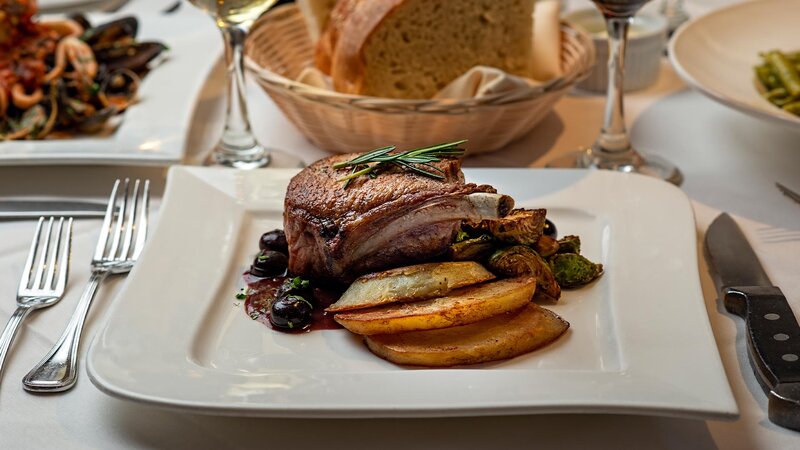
column 121, row 241
column 44, row 284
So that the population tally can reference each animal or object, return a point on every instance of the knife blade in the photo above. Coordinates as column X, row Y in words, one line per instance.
column 773, row 334
column 32, row 208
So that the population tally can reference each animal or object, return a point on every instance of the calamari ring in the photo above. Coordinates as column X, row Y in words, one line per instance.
column 22, row 99
column 78, row 53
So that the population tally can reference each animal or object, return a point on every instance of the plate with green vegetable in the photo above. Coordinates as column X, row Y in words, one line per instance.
column 746, row 56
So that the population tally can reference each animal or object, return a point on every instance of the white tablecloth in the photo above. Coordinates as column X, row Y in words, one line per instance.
column 730, row 162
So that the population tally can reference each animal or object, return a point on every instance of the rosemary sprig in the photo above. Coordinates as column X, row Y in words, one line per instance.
column 418, row 160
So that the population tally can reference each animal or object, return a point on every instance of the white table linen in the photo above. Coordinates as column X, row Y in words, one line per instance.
column 730, row 162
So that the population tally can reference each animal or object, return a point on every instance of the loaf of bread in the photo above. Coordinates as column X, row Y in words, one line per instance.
column 413, row 48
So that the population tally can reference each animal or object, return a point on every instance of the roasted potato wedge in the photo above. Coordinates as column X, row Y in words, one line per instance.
column 419, row 282
column 460, row 307
column 499, row 337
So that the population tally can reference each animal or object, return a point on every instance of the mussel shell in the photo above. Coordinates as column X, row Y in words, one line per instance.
column 133, row 56
column 96, row 121
column 81, row 20
column 112, row 32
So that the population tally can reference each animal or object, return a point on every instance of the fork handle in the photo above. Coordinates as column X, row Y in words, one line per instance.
column 11, row 331
column 58, row 371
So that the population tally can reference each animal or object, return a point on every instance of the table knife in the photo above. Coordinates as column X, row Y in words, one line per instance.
column 773, row 335
column 28, row 208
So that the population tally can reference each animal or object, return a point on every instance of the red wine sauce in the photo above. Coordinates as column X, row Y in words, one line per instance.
column 261, row 294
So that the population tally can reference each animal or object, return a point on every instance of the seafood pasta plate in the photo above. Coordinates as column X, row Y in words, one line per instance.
column 148, row 127
column 178, row 335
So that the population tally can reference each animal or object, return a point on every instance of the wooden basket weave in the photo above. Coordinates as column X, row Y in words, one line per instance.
column 279, row 48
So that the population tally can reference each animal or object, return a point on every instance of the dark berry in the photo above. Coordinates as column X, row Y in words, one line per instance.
column 274, row 240
column 269, row 263
column 290, row 313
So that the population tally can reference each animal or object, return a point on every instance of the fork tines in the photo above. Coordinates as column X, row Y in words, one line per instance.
column 125, row 222
column 52, row 250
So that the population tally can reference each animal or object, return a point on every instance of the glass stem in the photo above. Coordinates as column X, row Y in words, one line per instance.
column 237, row 135
column 613, row 136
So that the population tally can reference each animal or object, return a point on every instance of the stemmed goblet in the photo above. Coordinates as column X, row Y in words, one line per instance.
column 612, row 150
column 238, row 147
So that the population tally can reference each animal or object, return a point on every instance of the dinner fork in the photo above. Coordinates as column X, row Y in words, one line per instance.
column 44, row 284
column 121, row 241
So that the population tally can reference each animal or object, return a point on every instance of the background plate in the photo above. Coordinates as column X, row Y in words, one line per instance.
column 716, row 53
column 152, row 131
column 640, row 340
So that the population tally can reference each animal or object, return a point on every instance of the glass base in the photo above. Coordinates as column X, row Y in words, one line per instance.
column 254, row 158
column 650, row 165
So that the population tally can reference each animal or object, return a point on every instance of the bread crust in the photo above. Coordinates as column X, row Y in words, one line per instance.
column 323, row 53
column 347, row 61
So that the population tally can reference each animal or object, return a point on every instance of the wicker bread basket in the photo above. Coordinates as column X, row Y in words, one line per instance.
column 279, row 48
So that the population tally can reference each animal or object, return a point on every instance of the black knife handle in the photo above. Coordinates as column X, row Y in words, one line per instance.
column 773, row 335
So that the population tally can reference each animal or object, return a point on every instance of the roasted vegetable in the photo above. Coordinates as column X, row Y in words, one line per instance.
column 460, row 307
column 573, row 270
column 472, row 249
column 418, row 282
column 546, row 246
column 521, row 260
column 569, row 244
column 502, row 336
column 520, row 226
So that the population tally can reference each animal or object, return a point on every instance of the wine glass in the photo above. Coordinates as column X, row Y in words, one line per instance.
column 238, row 147
column 612, row 150
column 675, row 14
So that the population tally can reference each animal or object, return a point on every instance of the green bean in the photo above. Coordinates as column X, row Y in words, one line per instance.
column 785, row 71
column 785, row 100
column 767, row 78
column 775, row 94
column 793, row 108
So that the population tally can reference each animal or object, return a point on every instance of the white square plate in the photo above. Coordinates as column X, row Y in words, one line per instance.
column 152, row 131
column 639, row 342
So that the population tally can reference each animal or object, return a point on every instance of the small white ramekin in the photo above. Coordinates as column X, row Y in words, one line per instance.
column 647, row 39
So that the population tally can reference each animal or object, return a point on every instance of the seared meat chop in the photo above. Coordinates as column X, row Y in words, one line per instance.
column 394, row 219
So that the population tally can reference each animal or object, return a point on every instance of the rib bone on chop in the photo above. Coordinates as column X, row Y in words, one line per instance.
column 395, row 219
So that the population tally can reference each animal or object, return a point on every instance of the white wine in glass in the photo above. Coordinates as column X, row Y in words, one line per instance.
column 238, row 146
column 234, row 11
column 612, row 150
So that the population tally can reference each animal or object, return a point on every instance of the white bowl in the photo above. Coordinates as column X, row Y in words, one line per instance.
column 647, row 39
column 715, row 53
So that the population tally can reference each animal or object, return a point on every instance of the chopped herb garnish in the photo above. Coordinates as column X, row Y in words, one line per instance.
column 241, row 296
column 299, row 283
